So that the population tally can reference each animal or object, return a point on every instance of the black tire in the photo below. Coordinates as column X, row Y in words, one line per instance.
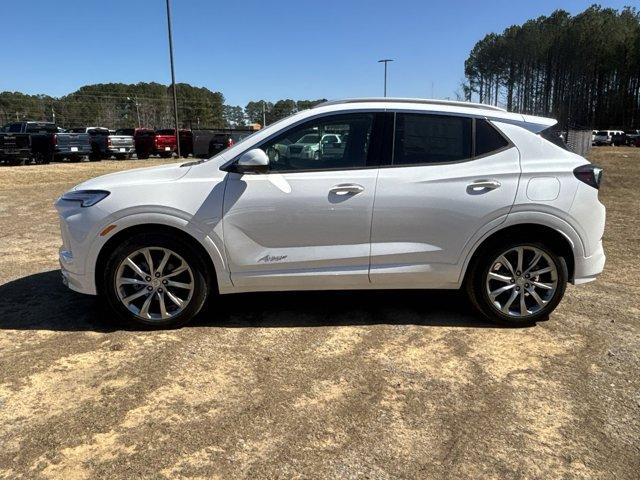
column 75, row 159
column 476, row 282
column 41, row 158
column 143, row 156
column 166, row 155
column 201, row 279
column 95, row 157
column 122, row 157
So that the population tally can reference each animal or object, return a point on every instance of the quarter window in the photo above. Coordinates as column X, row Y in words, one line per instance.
column 336, row 142
column 424, row 139
column 488, row 139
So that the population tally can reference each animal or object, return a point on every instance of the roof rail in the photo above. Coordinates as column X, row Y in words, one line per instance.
column 425, row 101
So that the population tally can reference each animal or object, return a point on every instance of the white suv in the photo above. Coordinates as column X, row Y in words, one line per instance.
column 421, row 194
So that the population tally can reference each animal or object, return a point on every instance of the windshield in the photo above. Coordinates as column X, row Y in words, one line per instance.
column 602, row 133
column 270, row 128
column 555, row 136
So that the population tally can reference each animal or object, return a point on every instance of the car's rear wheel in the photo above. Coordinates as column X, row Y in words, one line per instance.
column 154, row 280
column 517, row 283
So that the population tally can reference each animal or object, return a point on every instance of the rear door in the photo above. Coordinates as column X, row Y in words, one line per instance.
column 306, row 224
column 448, row 176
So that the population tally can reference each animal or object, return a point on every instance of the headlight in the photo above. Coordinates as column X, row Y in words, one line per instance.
column 87, row 198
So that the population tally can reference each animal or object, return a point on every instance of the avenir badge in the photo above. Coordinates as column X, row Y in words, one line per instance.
column 272, row 258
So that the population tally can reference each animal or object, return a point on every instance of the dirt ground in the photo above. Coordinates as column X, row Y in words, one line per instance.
column 315, row 385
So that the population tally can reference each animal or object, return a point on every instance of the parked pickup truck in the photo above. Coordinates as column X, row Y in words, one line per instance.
column 98, row 137
column 165, row 142
column 208, row 142
column 154, row 142
column 120, row 144
column 15, row 148
column 48, row 143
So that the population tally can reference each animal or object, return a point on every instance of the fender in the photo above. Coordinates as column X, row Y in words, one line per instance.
column 521, row 218
column 212, row 241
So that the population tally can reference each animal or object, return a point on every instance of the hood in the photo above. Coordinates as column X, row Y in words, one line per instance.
column 160, row 174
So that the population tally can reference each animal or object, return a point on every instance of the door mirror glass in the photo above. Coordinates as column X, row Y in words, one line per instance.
column 255, row 160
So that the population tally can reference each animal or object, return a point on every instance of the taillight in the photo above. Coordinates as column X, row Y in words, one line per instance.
column 589, row 174
column 229, row 142
column 54, row 140
column 108, row 141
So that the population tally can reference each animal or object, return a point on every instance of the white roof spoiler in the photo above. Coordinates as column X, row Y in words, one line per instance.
column 530, row 122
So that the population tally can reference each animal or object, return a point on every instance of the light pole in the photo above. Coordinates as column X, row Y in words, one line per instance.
column 385, row 61
column 135, row 102
column 173, row 76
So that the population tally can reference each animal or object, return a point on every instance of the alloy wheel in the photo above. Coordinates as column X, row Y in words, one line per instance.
column 154, row 283
column 521, row 281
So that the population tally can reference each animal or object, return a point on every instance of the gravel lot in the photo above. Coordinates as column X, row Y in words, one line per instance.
column 322, row 385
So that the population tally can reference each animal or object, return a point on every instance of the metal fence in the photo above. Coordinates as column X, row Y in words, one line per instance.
column 579, row 141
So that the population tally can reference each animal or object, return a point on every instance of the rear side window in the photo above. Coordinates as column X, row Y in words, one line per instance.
column 423, row 139
column 488, row 139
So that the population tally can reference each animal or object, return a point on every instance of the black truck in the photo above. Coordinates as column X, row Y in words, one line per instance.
column 99, row 139
column 15, row 148
column 49, row 143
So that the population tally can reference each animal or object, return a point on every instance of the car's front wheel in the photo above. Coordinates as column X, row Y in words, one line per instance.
column 517, row 283
column 155, row 280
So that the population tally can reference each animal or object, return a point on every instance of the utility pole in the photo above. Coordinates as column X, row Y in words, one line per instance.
column 385, row 61
column 173, row 77
column 135, row 102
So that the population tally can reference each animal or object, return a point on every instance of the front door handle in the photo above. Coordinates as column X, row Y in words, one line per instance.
column 347, row 188
column 478, row 185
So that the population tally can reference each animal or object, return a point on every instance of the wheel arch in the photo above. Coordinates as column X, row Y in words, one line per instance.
column 128, row 232
column 559, row 242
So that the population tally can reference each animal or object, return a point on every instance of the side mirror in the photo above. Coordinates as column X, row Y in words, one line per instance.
column 255, row 160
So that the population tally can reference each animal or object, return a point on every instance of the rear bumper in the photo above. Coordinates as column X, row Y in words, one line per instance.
column 588, row 268
column 17, row 153
column 69, row 152
column 120, row 150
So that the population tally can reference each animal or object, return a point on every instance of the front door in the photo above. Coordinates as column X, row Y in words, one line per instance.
column 306, row 223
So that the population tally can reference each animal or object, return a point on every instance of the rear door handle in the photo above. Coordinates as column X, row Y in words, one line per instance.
column 347, row 188
column 484, row 185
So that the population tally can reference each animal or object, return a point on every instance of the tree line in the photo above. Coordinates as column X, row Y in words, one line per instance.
column 118, row 105
column 583, row 70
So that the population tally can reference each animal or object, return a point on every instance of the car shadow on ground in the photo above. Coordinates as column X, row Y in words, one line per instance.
column 41, row 302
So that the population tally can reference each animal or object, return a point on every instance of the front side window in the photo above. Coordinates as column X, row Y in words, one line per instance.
column 425, row 139
column 336, row 142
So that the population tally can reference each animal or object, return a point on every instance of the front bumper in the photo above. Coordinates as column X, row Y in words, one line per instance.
column 76, row 282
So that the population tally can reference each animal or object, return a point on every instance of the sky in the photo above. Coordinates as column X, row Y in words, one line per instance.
column 251, row 49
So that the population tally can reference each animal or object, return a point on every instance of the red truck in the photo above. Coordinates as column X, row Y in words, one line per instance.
column 154, row 142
